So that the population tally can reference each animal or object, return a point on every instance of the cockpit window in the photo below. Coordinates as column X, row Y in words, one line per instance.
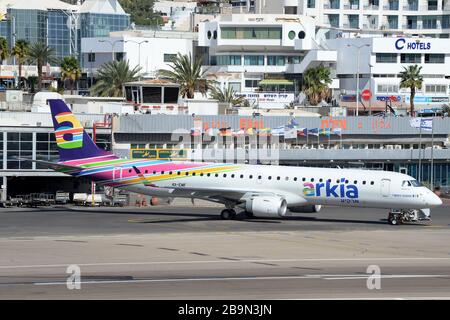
column 406, row 183
column 415, row 183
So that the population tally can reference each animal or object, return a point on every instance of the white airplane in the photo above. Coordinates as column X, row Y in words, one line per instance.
column 262, row 191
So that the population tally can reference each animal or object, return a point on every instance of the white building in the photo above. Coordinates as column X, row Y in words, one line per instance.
column 381, row 61
column 263, row 56
column 151, row 50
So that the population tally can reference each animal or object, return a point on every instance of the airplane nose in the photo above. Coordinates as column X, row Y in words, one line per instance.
column 434, row 200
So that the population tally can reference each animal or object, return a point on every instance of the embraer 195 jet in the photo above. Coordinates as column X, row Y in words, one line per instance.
column 262, row 191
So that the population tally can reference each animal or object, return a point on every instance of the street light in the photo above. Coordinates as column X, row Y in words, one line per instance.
column 139, row 44
column 357, row 73
column 112, row 43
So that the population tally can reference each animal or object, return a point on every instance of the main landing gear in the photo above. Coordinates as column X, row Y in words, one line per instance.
column 228, row 214
column 399, row 216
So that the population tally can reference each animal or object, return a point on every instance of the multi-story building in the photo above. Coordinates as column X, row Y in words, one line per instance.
column 263, row 57
column 427, row 17
column 258, row 55
column 58, row 24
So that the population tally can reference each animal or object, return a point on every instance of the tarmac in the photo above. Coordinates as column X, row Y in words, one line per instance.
column 189, row 253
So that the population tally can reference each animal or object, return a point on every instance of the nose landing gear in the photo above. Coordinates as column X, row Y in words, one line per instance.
column 399, row 216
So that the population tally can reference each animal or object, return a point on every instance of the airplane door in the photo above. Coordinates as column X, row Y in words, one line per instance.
column 117, row 173
column 385, row 187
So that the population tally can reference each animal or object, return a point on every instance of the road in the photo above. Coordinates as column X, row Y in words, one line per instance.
column 189, row 253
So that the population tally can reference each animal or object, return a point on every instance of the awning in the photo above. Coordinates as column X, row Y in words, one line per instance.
column 276, row 82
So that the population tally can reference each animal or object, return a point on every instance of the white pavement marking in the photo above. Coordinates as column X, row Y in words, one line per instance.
column 226, row 261
column 352, row 277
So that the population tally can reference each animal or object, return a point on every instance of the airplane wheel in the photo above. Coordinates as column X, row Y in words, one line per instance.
column 393, row 220
column 249, row 215
column 228, row 214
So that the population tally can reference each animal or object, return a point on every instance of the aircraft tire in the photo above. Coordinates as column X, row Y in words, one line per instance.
column 228, row 214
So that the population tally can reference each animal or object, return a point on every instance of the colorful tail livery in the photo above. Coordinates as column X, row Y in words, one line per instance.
column 72, row 140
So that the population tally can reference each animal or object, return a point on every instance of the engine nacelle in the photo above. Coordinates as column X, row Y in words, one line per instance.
column 266, row 206
column 306, row 209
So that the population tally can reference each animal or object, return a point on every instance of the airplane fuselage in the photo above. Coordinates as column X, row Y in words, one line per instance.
column 298, row 185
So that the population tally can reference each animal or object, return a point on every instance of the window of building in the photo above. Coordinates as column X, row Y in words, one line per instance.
column 171, row 95
column 152, row 94
column 410, row 58
column 276, row 60
column 435, row 88
column 119, row 56
column 311, row 3
column 387, row 88
column 434, row 58
column 169, row 57
column 229, row 60
column 254, row 60
column 386, row 57
column 251, row 83
column 91, row 57
column 251, row 33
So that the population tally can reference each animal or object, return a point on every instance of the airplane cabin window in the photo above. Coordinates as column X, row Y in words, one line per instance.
column 187, row 173
column 364, row 182
column 250, row 177
column 162, row 172
column 320, row 180
column 129, row 171
column 312, row 179
column 201, row 174
column 303, row 179
column 146, row 171
column 269, row 177
column 372, row 183
column 154, row 172
column 355, row 182
column 209, row 175
column 278, row 178
column 224, row 175
column 346, row 181
column 295, row 178
column 217, row 175
column 242, row 176
column 259, row 177
column 178, row 173
column 232, row 176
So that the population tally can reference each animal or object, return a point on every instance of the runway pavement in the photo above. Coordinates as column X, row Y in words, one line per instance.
column 189, row 253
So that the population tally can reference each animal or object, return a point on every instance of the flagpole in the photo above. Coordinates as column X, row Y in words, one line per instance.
column 432, row 155
column 420, row 152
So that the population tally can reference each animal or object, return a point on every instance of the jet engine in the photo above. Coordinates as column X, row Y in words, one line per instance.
column 306, row 209
column 267, row 206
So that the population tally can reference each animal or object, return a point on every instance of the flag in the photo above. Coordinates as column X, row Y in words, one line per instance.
column 290, row 133
column 314, row 132
column 337, row 131
column 195, row 132
column 425, row 124
column 303, row 132
column 325, row 132
column 225, row 132
column 278, row 131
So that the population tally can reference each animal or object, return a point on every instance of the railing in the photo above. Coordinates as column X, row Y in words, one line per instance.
column 351, row 6
column 371, row 7
column 391, row 7
column 411, row 7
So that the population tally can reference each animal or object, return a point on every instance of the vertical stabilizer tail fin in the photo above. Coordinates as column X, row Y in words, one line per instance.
column 72, row 140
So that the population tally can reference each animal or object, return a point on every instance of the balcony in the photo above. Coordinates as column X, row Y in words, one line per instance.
column 411, row 7
column 351, row 6
column 371, row 7
column 392, row 7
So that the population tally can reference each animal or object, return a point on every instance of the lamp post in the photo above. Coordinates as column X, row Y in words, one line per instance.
column 357, row 73
column 139, row 44
column 112, row 43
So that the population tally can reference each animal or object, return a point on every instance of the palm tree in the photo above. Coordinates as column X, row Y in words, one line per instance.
column 188, row 74
column 412, row 79
column 3, row 51
column 227, row 96
column 70, row 69
column 20, row 52
column 111, row 78
column 41, row 54
column 315, row 84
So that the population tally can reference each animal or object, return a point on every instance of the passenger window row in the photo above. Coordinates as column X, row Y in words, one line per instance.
column 278, row 178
